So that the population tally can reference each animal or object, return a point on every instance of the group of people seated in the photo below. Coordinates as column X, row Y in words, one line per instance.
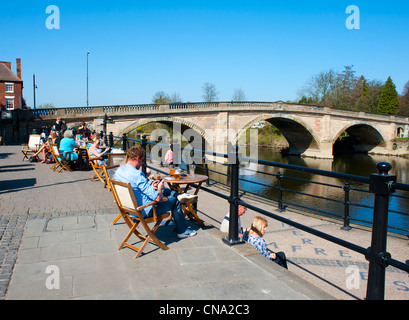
column 68, row 141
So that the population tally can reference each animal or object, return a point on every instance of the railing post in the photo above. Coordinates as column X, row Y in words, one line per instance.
column 206, row 165
column 280, row 192
column 382, row 185
column 346, row 188
column 144, row 142
column 111, row 140
column 124, row 142
column 233, row 237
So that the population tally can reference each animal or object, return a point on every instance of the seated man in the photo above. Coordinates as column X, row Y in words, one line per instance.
column 146, row 192
column 224, row 227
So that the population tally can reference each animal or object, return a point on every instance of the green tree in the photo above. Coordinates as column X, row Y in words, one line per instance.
column 161, row 97
column 46, row 106
column 389, row 100
column 304, row 99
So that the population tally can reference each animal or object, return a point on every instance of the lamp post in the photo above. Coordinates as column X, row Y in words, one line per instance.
column 34, row 89
column 87, row 77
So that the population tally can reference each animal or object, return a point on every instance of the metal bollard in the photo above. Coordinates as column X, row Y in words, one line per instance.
column 346, row 188
column 233, row 237
column 382, row 185
column 124, row 142
column 144, row 142
column 111, row 140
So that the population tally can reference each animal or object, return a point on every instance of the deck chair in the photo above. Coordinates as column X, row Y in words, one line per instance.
column 116, row 158
column 97, row 167
column 127, row 204
column 61, row 160
column 32, row 146
column 109, row 172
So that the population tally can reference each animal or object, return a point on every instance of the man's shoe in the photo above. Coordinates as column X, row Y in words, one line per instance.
column 187, row 198
column 188, row 233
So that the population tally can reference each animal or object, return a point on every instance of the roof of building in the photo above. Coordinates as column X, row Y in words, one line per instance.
column 7, row 75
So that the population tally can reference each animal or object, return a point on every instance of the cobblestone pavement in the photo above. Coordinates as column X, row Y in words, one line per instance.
column 11, row 232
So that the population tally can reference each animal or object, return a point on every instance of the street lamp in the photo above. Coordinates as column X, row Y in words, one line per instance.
column 34, row 89
column 87, row 77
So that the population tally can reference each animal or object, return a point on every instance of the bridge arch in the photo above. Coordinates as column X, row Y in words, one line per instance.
column 169, row 120
column 399, row 132
column 362, row 137
column 298, row 133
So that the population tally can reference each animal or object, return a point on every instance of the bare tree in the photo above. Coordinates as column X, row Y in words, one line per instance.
column 175, row 97
column 209, row 92
column 239, row 95
column 320, row 86
column 404, row 101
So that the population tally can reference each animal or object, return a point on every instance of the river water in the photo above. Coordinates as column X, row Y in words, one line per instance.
column 356, row 164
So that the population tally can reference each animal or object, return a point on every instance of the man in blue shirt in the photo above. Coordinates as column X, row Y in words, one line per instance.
column 145, row 192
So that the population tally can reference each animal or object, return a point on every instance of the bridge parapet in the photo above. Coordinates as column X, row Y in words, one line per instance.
column 98, row 111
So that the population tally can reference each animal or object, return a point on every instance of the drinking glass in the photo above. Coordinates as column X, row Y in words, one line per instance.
column 172, row 170
column 177, row 173
column 192, row 168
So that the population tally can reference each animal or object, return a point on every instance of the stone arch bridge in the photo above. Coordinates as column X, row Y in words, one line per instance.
column 310, row 130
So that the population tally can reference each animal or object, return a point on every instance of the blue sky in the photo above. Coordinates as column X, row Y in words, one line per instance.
column 269, row 49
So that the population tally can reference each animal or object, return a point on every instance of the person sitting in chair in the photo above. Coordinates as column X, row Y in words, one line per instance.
column 146, row 192
column 96, row 152
column 68, row 144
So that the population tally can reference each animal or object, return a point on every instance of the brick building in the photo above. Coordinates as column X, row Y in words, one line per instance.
column 11, row 87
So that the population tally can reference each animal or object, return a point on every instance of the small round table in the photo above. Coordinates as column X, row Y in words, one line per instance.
column 194, row 181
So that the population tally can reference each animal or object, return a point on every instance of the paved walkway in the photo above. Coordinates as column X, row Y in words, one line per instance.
column 57, row 243
column 63, row 221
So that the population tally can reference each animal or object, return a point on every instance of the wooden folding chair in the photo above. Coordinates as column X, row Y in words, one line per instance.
column 32, row 146
column 116, row 158
column 97, row 167
column 56, row 161
column 127, row 204
column 61, row 159
column 109, row 172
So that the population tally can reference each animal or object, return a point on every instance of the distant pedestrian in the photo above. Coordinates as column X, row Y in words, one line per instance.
column 169, row 156
column 58, row 124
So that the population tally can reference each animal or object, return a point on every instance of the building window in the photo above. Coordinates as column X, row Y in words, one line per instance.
column 10, row 87
column 9, row 103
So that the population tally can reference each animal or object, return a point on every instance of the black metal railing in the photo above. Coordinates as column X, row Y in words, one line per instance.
column 382, row 185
